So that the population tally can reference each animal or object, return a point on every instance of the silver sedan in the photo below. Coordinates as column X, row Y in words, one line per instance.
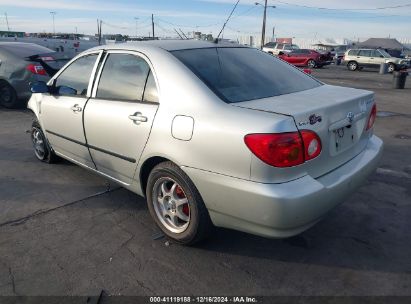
column 211, row 134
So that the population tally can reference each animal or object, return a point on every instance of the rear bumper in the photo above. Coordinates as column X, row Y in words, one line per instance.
column 323, row 63
column 286, row 209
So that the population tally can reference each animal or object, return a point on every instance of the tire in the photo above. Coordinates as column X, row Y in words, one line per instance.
column 391, row 67
column 311, row 64
column 42, row 149
column 8, row 96
column 176, row 205
column 352, row 65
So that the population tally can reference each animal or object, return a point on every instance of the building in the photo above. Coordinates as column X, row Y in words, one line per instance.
column 12, row 34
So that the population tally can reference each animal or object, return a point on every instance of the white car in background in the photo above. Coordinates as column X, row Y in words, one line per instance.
column 275, row 48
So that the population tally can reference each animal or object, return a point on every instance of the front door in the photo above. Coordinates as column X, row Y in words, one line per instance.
column 119, row 116
column 62, row 111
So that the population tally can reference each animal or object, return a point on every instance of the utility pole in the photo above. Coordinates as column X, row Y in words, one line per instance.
column 54, row 26
column 152, row 24
column 264, row 20
column 99, row 23
column 7, row 21
column 136, row 18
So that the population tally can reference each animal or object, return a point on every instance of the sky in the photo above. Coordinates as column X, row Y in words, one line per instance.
column 313, row 19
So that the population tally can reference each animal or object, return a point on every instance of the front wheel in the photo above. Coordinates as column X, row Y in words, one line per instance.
column 311, row 64
column 176, row 205
column 42, row 150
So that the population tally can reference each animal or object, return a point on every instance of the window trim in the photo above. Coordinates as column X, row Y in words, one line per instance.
column 127, row 52
column 99, row 53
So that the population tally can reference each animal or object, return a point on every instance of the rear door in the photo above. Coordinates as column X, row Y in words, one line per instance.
column 364, row 57
column 61, row 113
column 119, row 116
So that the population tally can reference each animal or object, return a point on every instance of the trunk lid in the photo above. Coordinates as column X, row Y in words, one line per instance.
column 338, row 115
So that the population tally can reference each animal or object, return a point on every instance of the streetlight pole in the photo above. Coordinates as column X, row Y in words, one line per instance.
column 54, row 26
column 136, row 18
column 264, row 21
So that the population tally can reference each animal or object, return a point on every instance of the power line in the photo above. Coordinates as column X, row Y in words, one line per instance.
column 345, row 9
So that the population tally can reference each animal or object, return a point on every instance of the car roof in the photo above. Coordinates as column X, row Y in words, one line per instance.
column 168, row 45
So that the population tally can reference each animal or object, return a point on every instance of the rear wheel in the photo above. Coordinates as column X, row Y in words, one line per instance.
column 42, row 149
column 176, row 205
column 352, row 65
column 8, row 96
column 311, row 63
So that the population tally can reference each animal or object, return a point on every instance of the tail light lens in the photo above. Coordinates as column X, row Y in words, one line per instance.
column 312, row 144
column 284, row 149
column 372, row 117
column 36, row 69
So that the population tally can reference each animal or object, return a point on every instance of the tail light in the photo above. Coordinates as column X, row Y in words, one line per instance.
column 284, row 149
column 372, row 117
column 36, row 69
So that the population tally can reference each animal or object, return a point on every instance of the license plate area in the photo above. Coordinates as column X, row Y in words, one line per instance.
column 342, row 139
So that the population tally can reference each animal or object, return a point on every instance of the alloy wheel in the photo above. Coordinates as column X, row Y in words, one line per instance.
column 352, row 66
column 311, row 64
column 38, row 144
column 171, row 205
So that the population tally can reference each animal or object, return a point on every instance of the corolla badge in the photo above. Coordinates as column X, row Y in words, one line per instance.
column 350, row 117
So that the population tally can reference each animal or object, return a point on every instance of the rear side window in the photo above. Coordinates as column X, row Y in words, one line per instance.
column 241, row 74
column 270, row 44
column 353, row 52
column 77, row 75
column 123, row 78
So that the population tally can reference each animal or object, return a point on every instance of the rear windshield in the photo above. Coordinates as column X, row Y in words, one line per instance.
column 24, row 50
column 241, row 74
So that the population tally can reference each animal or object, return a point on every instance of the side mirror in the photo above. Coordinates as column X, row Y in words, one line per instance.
column 39, row 87
column 63, row 90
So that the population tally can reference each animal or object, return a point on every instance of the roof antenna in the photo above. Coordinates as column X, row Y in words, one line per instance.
column 235, row 6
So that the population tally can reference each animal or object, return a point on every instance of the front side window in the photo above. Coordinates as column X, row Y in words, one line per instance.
column 241, row 74
column 365, row 53
column 75, row 78
column 123, row 78
column 384, row 53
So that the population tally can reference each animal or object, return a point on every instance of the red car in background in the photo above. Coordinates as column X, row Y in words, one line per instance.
column 306, row 57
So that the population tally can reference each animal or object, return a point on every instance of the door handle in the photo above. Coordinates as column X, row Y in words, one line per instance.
column 138, row 118
column 76, row 108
